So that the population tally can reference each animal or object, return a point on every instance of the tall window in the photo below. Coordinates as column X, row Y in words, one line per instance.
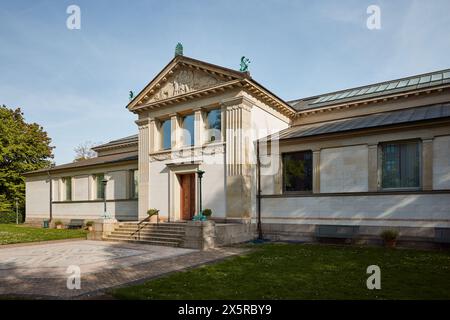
column 400, row 165
column 166, row 133
column 99, row 186
column 67, row 181
column 188, row 132
column 297, row 171
column 134, row 179
column 214, row 125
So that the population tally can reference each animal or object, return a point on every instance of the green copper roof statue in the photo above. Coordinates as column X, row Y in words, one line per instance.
column 179, row 49
column 244, row 64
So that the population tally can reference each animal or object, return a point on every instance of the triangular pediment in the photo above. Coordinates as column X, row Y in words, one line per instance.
column 183, row 76
column 182, row 81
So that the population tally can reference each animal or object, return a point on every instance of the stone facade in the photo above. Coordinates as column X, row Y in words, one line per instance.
column 346, row 175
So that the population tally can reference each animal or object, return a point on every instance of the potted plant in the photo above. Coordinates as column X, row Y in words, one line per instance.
column 90, row 225
column 389, row 237
column 58, row 224
column 207, row 213
column 153, row 212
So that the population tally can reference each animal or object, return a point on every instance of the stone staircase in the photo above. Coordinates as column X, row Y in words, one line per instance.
column 162, row 234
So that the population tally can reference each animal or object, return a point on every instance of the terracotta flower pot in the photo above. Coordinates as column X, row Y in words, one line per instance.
column 59, row 226
column 390, row 243
column 90, row 228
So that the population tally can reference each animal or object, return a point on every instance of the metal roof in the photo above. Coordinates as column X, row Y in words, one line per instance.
column 129, row 139
column 109, row 159
column 374, row 90
column 369, row 121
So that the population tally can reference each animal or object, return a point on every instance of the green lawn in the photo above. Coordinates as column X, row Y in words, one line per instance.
column 306, row 271
column 11, row 233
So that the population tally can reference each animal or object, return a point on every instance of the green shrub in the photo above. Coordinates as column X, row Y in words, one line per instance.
column 58, row 223
column 389, row 235
column 207, row 212
column 89, row 223
column 152, row 212
column 9, row 217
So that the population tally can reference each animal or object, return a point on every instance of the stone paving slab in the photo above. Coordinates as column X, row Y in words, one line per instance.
column 40, row 270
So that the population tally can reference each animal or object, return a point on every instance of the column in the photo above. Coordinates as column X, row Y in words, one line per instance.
column 427, row 164
column 223, row 120
column 155, row 139
column 199, row 129
column 316, row 171
column 175, row 136
column 373, row 167
column 143, row 167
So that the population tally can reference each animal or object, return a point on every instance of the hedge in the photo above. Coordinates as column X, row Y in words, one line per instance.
column 9, row 217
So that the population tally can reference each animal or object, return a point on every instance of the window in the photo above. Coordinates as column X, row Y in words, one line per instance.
column 99, row 186
column 400, row 165
column 188, row 132
column 166, row 133
column 67, row 188
column 134, row 178
column 297, row 171
column 214, row 125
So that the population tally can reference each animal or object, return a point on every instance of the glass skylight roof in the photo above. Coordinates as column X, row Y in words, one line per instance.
column 380, row 88
column 362, row 91
column 353, row 93
column 372, row 89
column 402, row 83
column 413, row 81
column 392, row 86
column 425, row 79
column 436, row 77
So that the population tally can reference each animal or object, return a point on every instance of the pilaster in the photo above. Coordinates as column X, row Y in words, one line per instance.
column 427, row 164
column 373, row 167
column 238, row 160
column 316, row 171
column 143, row 166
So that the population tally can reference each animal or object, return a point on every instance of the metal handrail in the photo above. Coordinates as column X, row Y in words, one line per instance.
column 142, row 227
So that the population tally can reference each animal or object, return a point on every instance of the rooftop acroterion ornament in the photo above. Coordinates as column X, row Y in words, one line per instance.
column 244, row 64
column 179, row 49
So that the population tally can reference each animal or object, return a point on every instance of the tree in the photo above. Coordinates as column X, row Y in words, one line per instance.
column 23, row 147
column 84, row 151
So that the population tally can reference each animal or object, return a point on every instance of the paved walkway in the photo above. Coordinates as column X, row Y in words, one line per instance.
column 41, row 270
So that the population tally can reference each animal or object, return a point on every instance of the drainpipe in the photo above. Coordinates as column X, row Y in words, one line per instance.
column 258, row 197
column 51, row 195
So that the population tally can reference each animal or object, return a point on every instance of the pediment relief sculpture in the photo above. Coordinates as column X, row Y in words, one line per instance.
column 184, row 81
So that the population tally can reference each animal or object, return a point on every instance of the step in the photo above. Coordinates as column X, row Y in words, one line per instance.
column 152, row 228
column 152, row 225
column 150, row 237
column 155, row 243
column 146, row 233
column 175, row 224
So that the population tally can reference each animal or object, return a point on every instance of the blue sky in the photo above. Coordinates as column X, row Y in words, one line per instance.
column 75, row 83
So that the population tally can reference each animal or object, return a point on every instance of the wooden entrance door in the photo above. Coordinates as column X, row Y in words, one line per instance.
column 187, row 196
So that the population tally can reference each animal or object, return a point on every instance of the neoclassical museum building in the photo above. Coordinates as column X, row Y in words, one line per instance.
column 352, row 162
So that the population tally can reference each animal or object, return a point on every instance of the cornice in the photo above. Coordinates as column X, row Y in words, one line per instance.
column 190, row 96
column 368, row 131
column 270, row 99
column 188, row 152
